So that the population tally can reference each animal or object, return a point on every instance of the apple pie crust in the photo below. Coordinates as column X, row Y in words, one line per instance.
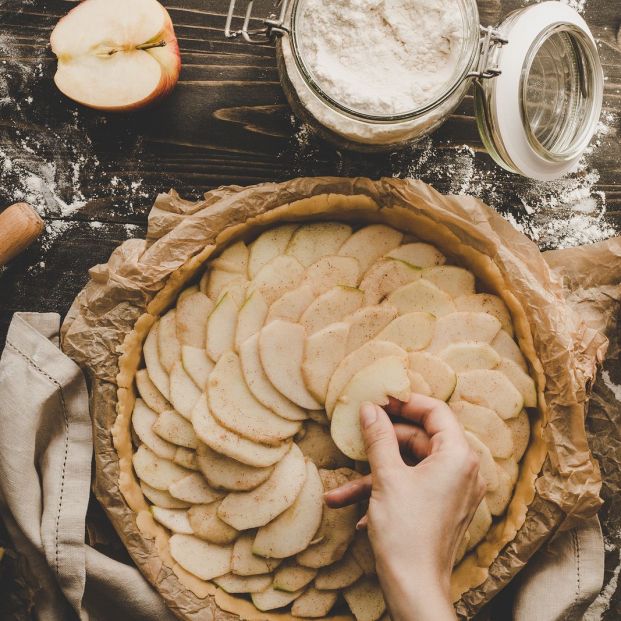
column 330, row 276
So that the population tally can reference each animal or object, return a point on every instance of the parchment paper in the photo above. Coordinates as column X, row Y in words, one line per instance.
column 569, row 346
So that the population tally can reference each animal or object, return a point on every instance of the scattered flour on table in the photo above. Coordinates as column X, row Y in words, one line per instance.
column 602, row 602
column 615, row 388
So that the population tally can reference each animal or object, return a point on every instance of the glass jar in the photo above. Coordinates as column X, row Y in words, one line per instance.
column 537, row 75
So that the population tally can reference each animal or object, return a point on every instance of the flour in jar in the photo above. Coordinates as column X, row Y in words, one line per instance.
column 380, row 57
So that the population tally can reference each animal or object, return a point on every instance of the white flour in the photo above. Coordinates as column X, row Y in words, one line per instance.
column 381, row 57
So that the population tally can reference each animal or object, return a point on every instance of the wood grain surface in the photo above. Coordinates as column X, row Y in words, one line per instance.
column 93, row 176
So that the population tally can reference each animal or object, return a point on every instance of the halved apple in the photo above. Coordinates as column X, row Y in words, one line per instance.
column 272, row 598
column 268, row 245
column 157, row 373
column 491, row 389
column 194, row 489
column 520, row 432
column 175, row 520
column 487, row 426
column 384, row 277
column 323, row 351
column 168, row 344
column 367, row 323
column 292, row 577
column 293, row 530
column 281, row 348
column 196, row 364
column 203, row 559
column 339, row 575
column 463, row 327
column 330, row 307
column 312, row 241
column 487, row 466
column 243, row 584
column 291, row 305
column 234, row 406
column 354, row 362
column 154, row 471
column 384, row 378
column 261, row 387
column 221, row 440
column 116, row 55
column 506, row 347
column 469, row 356
column 161, row 498
column 486, row 303
column 521, row 380
column 226, row 473
column 191, row 317
column 149, row 393
column 143, row 419
column 418, row 254
column 246, row 563
column 243, row 510
column 207, row 525
column 422, row 296
column 318, row 445
column 314, row 603
column 183, row 391
column 412, row 331
column 280, row 275
column 370, row 243
column 456, row 281
column 365, row 599
column 250, row 319
column 171, row 426
column 221, row 326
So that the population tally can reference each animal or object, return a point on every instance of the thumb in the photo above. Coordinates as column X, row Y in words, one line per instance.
column 380, row 439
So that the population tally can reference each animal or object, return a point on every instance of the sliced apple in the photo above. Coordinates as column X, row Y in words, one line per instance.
column 418, row 254
column 506, row 347
column 168, row 344
column 422, row 296
column 520, row 432
column 354, row 362
column 384, row 277
column 270, row 244
column 143, row 419
column 250, row 319
column 337, row 525
column 207, row 525
column 234, row 258
column 486, row 303
column 370, row 243
column 194, row 489
column 246, row 563
column 339, row 575
column 463, row 327
column 313, row 241
column 292, row 577
column 469, row 356
column 175, row 520
column 384, row 378
column 318, row 445
column 418, row 384
column 330, row 307
column 154, row 471
column 261, row 387
column 323, row 351
column 281, row 348
column 412, row 331
column 191, row 318
column 243, row 510
column 115, row 55
column 186, row 458
column 480, row 524
column 243, row 584
column 221, row 440
column 203, row 559
column 456, row 281
column 487, row 466
column 222, row 281
column 487, row 426
column 521, row 380
column 157, row 373
column 365, row 599
column 331, row 271
column 183, row 391
column 280, row 275
column 367, row 323
column 293, row 530
column 461, row 549
column 314, row 603
column 196, row 364
column 234, row 406
column 149, row 393
column 272, row 598
column 491, row 389
column 498, row 499
column 221, row 326
column 161, row 498
column 363, row 553
column 291, row 305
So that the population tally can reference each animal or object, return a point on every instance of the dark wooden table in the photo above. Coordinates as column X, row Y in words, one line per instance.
column 93, row 176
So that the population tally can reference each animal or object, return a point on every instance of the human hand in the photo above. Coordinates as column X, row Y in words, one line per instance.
column 417, row 515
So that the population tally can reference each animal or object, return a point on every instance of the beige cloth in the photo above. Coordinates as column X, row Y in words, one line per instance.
column 45, row 473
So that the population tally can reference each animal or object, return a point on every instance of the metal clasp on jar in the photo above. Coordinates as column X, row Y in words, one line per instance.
column 272, row 26
column 490, row 40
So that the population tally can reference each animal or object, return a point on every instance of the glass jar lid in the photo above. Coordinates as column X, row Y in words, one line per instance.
column 539, row 114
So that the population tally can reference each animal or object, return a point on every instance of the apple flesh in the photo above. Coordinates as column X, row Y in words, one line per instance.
column 116, row 54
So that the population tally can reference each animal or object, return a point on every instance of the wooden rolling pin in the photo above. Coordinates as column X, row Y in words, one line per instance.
column 20, row 225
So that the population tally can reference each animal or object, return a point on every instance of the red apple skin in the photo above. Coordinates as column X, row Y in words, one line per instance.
column 171, row 67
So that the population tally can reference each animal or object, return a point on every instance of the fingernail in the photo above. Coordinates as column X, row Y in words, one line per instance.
column 361, row 524
column 368, row 414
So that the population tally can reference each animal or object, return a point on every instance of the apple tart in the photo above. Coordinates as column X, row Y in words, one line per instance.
column 248, row 398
